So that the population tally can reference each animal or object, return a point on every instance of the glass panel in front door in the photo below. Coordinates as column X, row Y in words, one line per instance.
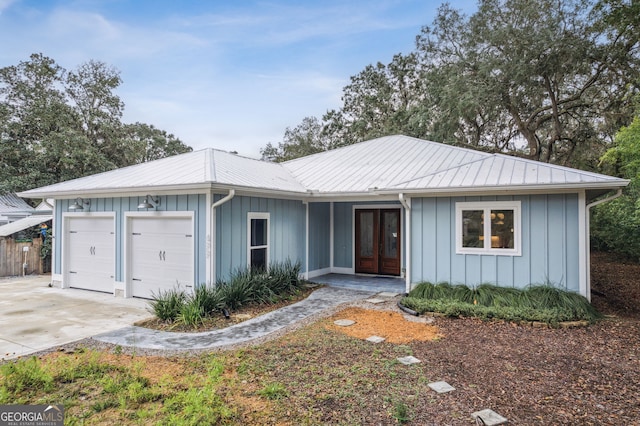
column 390, row 221
column 366, row 234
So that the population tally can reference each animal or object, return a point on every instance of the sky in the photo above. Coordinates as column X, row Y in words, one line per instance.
column 231, row 75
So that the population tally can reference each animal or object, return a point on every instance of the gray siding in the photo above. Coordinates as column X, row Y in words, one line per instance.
column 188, row 202
column 319, row 236
column 287, row 230
column 549, row 244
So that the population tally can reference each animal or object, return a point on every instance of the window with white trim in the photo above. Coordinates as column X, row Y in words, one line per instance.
column 258, row 244
column 491, row 227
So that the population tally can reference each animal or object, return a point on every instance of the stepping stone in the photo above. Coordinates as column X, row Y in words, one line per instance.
column 441, row 387
column 376, row 339
column 408, row 360
column 421, row 320
column 489, row 417
column 387, row 294
column 344, row 322
column 375, row 301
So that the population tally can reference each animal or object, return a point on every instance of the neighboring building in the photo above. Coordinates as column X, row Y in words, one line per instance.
column 390, row 206
column 13, row 208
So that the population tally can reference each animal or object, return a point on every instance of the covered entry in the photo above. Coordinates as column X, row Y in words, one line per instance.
column 377, row 241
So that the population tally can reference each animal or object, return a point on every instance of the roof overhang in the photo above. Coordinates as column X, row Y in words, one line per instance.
column 371, row 194
column 21, row 224
column 511, row 189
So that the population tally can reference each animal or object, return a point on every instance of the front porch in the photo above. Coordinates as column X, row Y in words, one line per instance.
column 363, row 282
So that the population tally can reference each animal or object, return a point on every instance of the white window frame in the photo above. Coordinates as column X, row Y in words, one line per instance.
column 487, row 206
column 258, row 215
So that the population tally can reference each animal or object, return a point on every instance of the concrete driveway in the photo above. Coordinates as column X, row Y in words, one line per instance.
column 34, row 316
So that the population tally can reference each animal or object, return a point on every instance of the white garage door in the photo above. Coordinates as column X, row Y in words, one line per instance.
column 160, row 254
column 90, row 253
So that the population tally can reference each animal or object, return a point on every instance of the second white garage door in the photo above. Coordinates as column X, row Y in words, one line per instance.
column 160, row 254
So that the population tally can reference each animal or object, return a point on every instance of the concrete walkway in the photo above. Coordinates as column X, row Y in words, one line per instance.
column 319, row 300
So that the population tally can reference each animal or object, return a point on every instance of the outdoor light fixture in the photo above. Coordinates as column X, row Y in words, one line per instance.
column 79, row 203
column 149, row 202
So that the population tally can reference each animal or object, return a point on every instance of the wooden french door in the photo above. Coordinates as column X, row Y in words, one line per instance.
column 378, row 241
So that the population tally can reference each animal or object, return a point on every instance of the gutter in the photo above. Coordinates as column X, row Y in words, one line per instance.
column 406, row 203
column 228, row 197
column 588, row 235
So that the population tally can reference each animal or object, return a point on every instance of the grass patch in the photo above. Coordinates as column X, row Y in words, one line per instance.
column 543, row 303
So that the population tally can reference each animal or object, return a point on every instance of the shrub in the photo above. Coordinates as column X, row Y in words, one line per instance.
column 166, row 305
column 208, row 298
column 243, row 288
column 543, row 303
column 191, row 314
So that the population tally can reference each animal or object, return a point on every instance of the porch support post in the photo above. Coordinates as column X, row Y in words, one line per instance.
column 406, row 203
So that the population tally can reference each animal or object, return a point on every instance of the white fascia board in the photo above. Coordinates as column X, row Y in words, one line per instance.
column 515, row 189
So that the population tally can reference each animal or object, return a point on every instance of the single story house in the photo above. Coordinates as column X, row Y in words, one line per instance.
column 395, row 205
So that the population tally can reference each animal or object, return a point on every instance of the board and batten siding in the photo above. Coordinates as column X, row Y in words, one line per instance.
column 319, row 236
column 287, row 230
column 196, row 203
column 550, row 244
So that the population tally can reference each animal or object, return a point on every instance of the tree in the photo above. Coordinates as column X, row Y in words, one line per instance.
column 552, row 80
column 381, row 100
column 57, row 125
column 33, row 111
column 550, row 75
column 616, row 224
column 143, row 142
column 90, row 90
column 305, row 139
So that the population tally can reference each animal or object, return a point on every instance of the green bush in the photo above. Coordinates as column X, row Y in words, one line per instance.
column 246, row 286
column 208, row 298
column 191, row 314
column 167, row 305
column 543, row 303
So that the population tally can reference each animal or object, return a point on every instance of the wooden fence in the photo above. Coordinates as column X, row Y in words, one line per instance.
column 12, row 257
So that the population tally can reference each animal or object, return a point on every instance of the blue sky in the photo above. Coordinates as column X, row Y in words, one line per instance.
column 224, row 74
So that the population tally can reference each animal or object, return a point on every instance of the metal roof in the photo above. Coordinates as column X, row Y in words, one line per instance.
column 24, row 223
column 405, row 164
column 201, row 168
column 378, row 163
column 384, row 165
column 11, row 203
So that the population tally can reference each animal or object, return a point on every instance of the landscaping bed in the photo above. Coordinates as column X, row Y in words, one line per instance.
column 321, row 374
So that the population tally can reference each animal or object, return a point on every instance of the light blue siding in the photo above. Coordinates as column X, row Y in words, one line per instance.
column 287, row 230
column 319, row 236
column 120, row 205
column 342, row 235
column 550, row 247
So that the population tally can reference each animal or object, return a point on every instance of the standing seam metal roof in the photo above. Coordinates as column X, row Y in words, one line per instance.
column 391, row 163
